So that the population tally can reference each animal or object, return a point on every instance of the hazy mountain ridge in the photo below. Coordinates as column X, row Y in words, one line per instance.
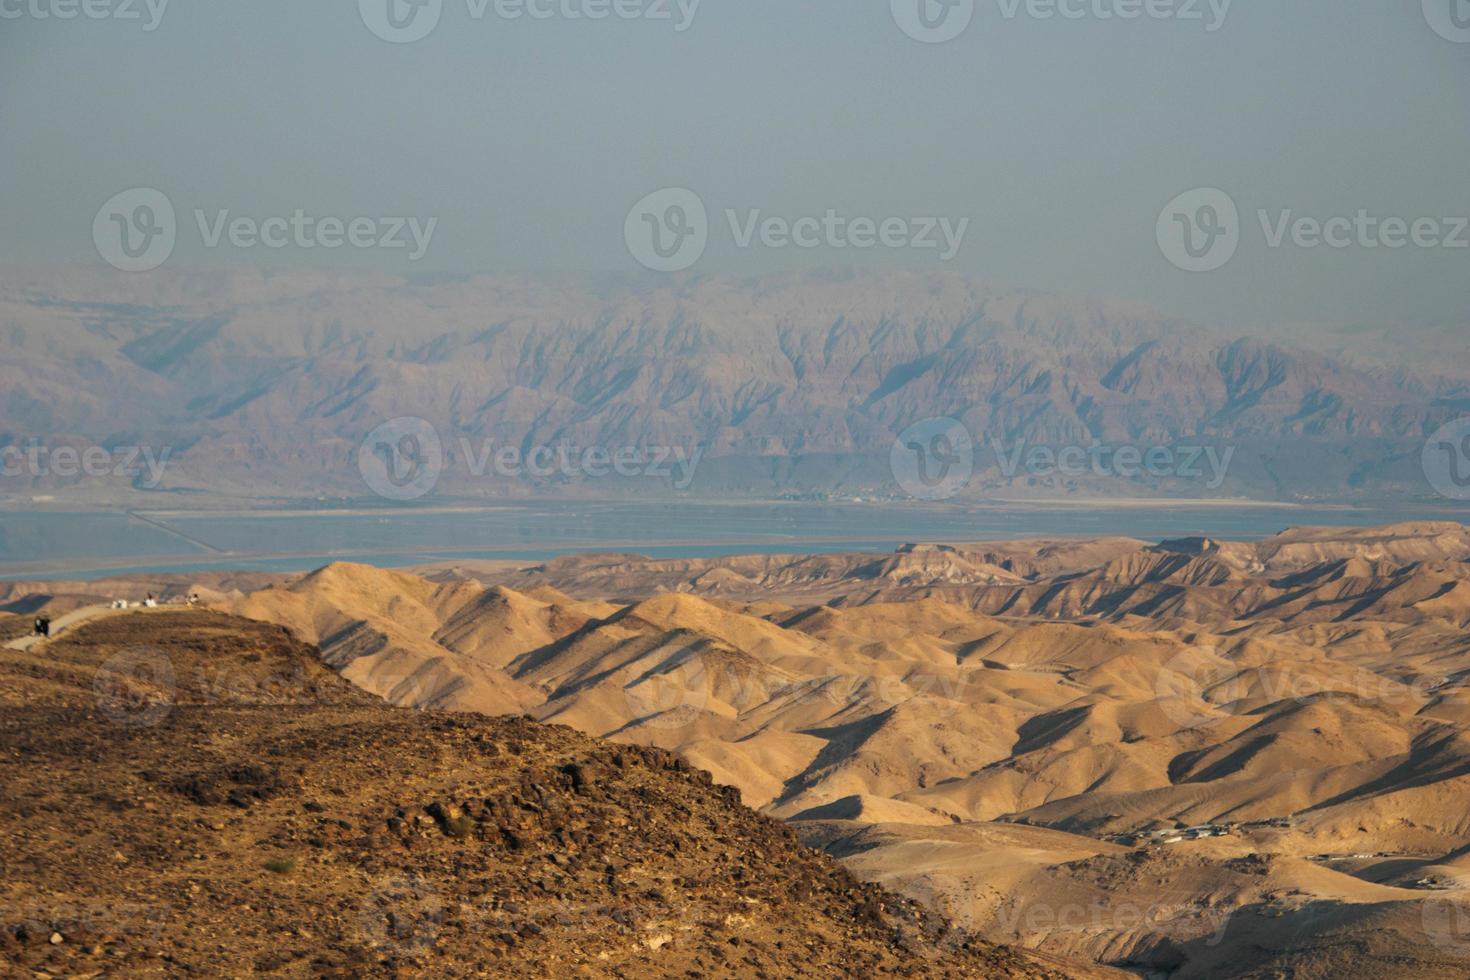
column 266, row 385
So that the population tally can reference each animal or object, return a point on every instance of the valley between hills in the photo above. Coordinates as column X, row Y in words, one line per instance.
column 1194, row 759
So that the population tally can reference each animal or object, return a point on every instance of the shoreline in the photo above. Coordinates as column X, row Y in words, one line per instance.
column 987, row 505
column 185, row 543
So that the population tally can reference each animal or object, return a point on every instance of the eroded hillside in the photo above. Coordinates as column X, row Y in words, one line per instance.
column 1200, row 758
column 1276, row 730
column 188, row 793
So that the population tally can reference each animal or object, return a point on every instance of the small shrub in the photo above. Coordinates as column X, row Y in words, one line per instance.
column 461, row 826
column 281, row 866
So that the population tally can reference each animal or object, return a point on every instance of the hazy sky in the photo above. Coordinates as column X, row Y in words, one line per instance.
column 1061, row 139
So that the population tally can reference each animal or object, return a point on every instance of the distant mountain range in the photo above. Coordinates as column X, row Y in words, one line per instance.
column 261, row 385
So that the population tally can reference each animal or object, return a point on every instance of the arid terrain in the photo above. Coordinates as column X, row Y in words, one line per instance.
column 193, row 794
column 1197, row 759
column 648, row 489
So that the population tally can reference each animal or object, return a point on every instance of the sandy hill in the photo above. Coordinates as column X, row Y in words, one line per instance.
column 159, row 822
column 1301, row 700
column 1303, row 696
column 379, row 629
column 500, row 624
column 1110, row 577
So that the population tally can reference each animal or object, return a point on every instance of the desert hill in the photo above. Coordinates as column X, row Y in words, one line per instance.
column 1282, row 726
column 194, row 794
column 378, row 629
column 1301, row 697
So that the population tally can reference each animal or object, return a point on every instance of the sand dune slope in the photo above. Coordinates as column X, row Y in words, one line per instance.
column 1026, row 734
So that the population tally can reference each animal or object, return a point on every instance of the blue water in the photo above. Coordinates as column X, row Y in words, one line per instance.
column 97, row 544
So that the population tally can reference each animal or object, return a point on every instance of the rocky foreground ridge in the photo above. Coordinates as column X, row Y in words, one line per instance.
column 192, row 794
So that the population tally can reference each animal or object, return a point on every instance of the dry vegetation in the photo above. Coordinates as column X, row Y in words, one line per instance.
column 192, row 794
column 1197, row 760
column 1016, row 733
